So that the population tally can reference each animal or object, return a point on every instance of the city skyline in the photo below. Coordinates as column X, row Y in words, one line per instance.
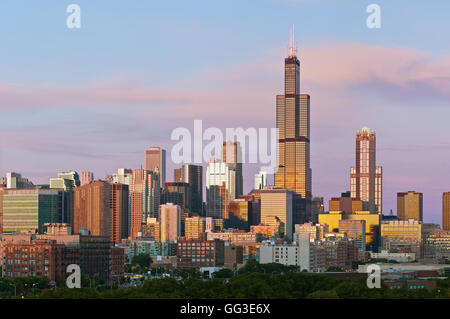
column 73, row 128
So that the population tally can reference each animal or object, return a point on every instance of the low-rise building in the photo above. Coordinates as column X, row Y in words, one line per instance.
column 200, row 253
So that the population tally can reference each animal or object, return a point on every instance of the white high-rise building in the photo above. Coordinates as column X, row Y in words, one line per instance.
column 220, row 188
column 260, row 180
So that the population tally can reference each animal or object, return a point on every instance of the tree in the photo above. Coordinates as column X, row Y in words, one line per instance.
column 323, row 294
column 142, row 260
column 223, row 273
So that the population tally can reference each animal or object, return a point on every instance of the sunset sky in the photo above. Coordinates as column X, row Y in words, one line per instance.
column 95, row 98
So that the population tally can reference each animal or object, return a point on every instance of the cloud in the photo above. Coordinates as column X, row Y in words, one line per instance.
column 351, row 85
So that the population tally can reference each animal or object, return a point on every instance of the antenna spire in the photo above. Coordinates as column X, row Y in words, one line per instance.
column 292, row 49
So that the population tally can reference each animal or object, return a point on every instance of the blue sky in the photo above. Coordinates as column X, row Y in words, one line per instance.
column 78, row 98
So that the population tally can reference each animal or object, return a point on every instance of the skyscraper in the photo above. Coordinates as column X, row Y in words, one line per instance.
column 119, row 211
column 232, row 155
column 410, row 206
column 446, row 211
column 144, row 199
column 170, row 219
column 260, row 180
column 276, row 209
column 92, row 208
column 86, row 177
column 29, row 209
column 193, row 175
column 366, row 179
column 155, row 160
column 220, row 188
column 293, row 124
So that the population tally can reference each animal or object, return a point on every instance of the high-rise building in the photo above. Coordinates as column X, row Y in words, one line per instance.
column 293, row 124
column 403, row 236
column 314, row 231
column 152, row 229
column 178, row 193
column 316, row 208
column 144, row 200
column 446, row 211
column 193, row 175
column 436, row 244
column 194, row 228
column 232, row 155
column 92, row 208
column 372, row 222
column 366, row 179
column 170, row 222
column 123, row 176
column 220, row 188
column 155, row 161
column 178, row 174
column 119, row 211
column 15, row 180
column 260, row 180
column 345, row 204
column 240, row 213
column 29, row 209
column 86, row 177
column 410, row 206
column 354, row 229
column 276, row 209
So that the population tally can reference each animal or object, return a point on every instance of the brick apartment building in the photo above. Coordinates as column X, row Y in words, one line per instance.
column 200, row 253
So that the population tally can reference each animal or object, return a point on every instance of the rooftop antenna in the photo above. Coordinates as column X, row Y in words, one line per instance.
column 292, row 50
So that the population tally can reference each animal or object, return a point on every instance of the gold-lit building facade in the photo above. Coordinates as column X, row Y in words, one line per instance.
column 410, row 206
column 293, row 124
column 446, row 211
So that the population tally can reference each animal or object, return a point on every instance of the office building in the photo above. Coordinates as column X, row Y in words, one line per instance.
column 345, row 204
column 402, row 236
column 372, row 222
column 144, row 199
column 446, row 211
column 220, row 188
column 436, row 244
column 29, row 209
column 193, row 175
column 366, row 179
column 240, row 213
column 293, row 123
column 194, row 228
column 313, row 231
column 410, row 206
column 86, row 177
column 155, row 161
column 232, row 155
column 123, row 176
column 15, row 180
column 170, row 222
column 92, row 209
column 260, row 180
column 277, row 209
column 354, row 229
column 119, row 210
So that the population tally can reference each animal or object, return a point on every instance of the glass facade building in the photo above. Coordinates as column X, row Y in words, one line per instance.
column 293, row 124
